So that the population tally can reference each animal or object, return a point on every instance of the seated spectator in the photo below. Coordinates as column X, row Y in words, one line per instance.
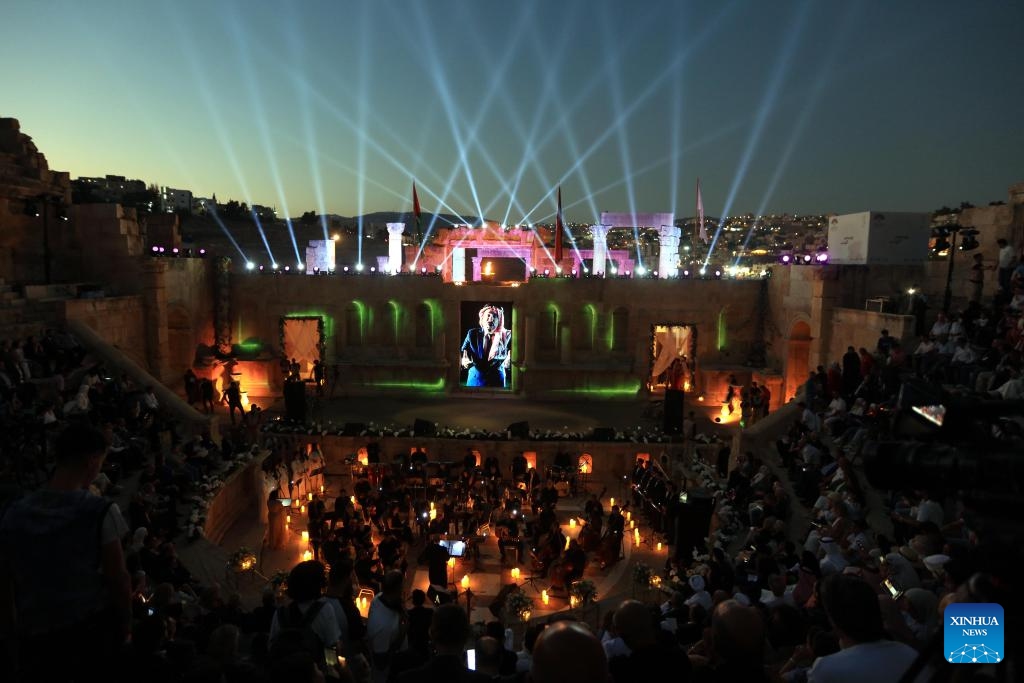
column 650, row 658
column 587, row 664
column 866, row 655
column 736, row 647
column 449, row 632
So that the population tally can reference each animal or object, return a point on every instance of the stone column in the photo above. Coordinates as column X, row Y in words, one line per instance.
column 395, row 231
column 600, row 235
column 668, row 257
column 154, row 300
column 459, row 264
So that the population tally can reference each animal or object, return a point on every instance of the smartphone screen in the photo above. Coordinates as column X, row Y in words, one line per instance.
column 471, row 660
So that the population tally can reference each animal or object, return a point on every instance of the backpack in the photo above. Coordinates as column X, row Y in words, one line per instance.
column 296, row 633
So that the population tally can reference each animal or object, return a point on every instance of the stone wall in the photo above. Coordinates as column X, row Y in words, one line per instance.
column 117, row 320
column 857, row 327
column 389, row 331
column 189, row 292
column 112, row 245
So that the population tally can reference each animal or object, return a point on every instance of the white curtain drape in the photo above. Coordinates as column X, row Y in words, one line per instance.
column 672, row 343
column 302, row 342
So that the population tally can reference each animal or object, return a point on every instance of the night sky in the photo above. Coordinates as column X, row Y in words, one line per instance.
column 337, row 106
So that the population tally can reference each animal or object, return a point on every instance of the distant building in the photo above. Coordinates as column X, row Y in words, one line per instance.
column 174, row 201
column 110, row 188
column 203, row 205
column 264, row 212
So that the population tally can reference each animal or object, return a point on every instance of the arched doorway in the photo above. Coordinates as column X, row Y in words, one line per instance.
column 798, row 353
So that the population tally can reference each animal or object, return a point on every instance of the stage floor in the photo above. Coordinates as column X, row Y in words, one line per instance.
column 487, row 575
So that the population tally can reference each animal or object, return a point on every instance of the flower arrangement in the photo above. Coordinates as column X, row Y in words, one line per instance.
column 642, row 574
column 242, row 560
column 584, row 592
column 519, row 604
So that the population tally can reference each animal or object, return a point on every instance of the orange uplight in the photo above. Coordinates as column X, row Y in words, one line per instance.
column 725, row 411
column 488, row 269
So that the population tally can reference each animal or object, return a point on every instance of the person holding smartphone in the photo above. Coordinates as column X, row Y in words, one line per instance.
column 449, row 632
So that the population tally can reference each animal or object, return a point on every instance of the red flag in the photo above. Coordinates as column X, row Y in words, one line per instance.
column 559, row 227
column 416, row 210
column 703, row 234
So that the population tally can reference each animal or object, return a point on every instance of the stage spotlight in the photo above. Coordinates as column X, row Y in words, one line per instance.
column 546, row 272
column 345, row 269
column 807, row 258
column 718, row 274
column 250, row 265
column 62, row 214
column 686, row 272
column 574, row 272
column 627, row 273
column 335, row 237
column 423, row 270
column 156, row 250
column 655, row 274
column 911, row 291
column 175, row 251
column 300, row 266
column 202, row 252
column 274, row 266
column 359, row 267
column 703, row 271
column 786, row 259
column 640, row 270
column 373, row 269
column 287, row 269
column 558, row 269
column 822, row 257
column 586, row 270
column 614, row 270
column 261, row 269
column 161, row 250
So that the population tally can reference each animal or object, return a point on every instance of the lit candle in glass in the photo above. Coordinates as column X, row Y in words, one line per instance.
column 321, row 488
column 629, row 516
column 307, row 556
column 566, row 542
column 287, row 519
column 636, row 536
column 612, row 502
column 544, row 597
column 302, row 509
column 572, row 523
column 465, row 581
column 353, row 499
column 515, row 573
column 451, row 563
column 311, row 495
column 305, row 537
column 632, row 524
column 573, row 601
column 659, row 546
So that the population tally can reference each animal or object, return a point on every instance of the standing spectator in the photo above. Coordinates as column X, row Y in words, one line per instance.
column 884, row 344
column 62, row 572
column 851, row 371
column 449, row 631
column 1006, row 262
column 206, row 394
column 977, row 278
column 191, row 387
column 233, row 395
column 386, row 624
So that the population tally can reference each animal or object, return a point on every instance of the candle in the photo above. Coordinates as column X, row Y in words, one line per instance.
column 659, row 546
column 515, row 573
column 465, row 581
column 352, row 499
column 566, row 542
column 433, row 514
column 307, row 556
column 451, row 563
column 321, row 488
column 311, row 495
column 629, row 516
column 544, row 597
column 636, row 536
column 287, row 519
column 632, row 524
column 305, row 537
column 572, row 523
column 612, row 502
column 573, row 601
column 302, row 509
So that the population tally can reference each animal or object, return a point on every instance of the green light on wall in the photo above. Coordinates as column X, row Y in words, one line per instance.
column 627, row 390
column 721, row 329
column 611, row 331
column 363, row 314
column 396, row 317
column 436, row 317
column 429, row 387
column 590, row 311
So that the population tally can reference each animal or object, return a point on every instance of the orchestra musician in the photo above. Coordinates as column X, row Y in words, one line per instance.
column 611, row 548
column 508, row 533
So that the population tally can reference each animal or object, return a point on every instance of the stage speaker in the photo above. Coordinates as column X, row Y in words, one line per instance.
column 693, row 522
column 353, row 429
column 295, row 401
column 498, row 604
column 519, row 430
column 604, row 434
column 424, row 428
column 673, row 417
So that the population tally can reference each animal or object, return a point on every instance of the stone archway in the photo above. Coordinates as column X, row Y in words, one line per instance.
column 798, row 354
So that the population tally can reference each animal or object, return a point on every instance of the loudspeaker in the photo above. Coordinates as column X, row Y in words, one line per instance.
column 673, row 417
column 604, row 434
column 295, row 401
column 424, row 428
column 353, row 429
column 694, row 522
column 519, row 430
